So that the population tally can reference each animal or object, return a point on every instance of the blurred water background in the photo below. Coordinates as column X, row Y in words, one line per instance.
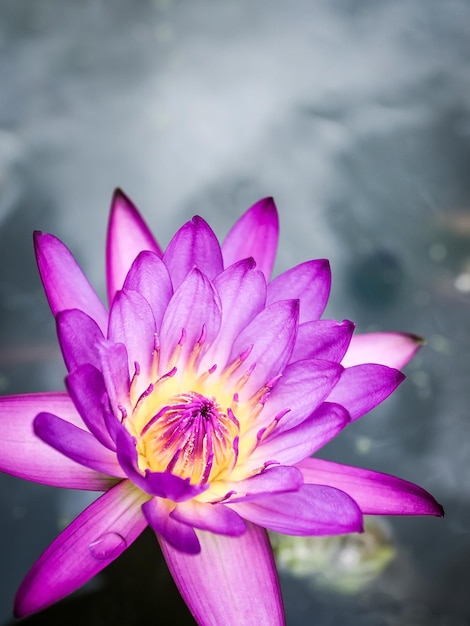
column 355, row 116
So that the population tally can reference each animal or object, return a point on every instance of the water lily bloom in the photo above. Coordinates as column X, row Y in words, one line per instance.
column 195, row 404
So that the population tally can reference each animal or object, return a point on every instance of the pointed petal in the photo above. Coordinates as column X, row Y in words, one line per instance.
column 65, row 285
column 79, row 336
column 312, row 510
column 274, row 480
column 216, row 518
column 149, row 277
column 308, row 282
column 233, row 580
column 128, row 235
column 255, row 234
column 363, row 387
column 391, row 349
column 180, row 536
column 194, row 245
column 24, row 455
column 322, row 339
column 375, row 493
column 76, row 444
column 94, row 539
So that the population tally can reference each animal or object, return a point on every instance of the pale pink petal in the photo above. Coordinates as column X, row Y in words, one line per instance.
column 24, row 455
column 322, row 339
column 375, row 493
column 255, row 234
column 233, row 580
column 65, row 285
column 391, row 349
column 180, row 536
column 94, row 539
column 274, row 480
column 309, row 282
column 115, row 370
column 128, row 235
column 216, row 518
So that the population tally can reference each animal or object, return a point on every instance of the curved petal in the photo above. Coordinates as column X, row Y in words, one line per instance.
column 363, row 387
column 149, row 277
column 323, row 339
column 255, row 234
column 312, row 510
column 233, row 580
column 128, row 235
column 194, row 245
column 308, row 282
column 76, row 444
column 65, row 285
column 115, row 370
column 216, row 518
column 375, row 493
column 391, row 349
column 94, row 539
column 79, row 336
column 274, row 480
column 179, row 536
column 24, row 455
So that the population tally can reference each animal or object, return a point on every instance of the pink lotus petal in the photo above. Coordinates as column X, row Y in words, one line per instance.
column 255, row 234
column 274, row 480
column 304, row 439
column 193, row 314
column 24, row 455
column 94, row 539
column 271, row 336
column 312, row 510
column 76, row 444
column 128, row 235
column 180, row 536
column 233, row 580
column 79, row 337
column 362, row 387
column 65, row 285
column 149, row 277
column 375, row 493
column 216, row 518
column 391, row 349
column 194, row 245
column 309, row 282
column 323, row 339
column 115, row 370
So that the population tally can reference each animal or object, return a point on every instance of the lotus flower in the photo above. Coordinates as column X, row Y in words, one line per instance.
column 196, row 405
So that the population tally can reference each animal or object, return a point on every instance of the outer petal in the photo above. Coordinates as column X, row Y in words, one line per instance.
column 309, row 282
column 180, row 536
column 128, row 235
column 65, row 285
column 255, row 234
column 391, row 349
column 96, row 537
column 233, row 580
column 363, row 387
column 79, row 337
column 375, row 493
column 195, row 244
column 323, row 339
column 312, row 510
column 24, row 455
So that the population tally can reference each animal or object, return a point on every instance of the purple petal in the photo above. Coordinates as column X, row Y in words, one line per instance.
column 233, row 580
column 391, row 349
column 88, row 392
column 216, row 518
column 76, row 444
column 322, row 339
column 180, row 536
column 272, row 336
column 149, row 277
column 94, row 539
column 255, row 235
column 115, row 370
column 24, row 455
column 193, row 313
column 309, row 282
column 312, row 510
column 194, row 245
column 303, row 440
column 375, row 493
column 274, row 480
column 65, row 285
column 128, row 235
column 79, row 337
column 363, row 387
column 131, row 323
